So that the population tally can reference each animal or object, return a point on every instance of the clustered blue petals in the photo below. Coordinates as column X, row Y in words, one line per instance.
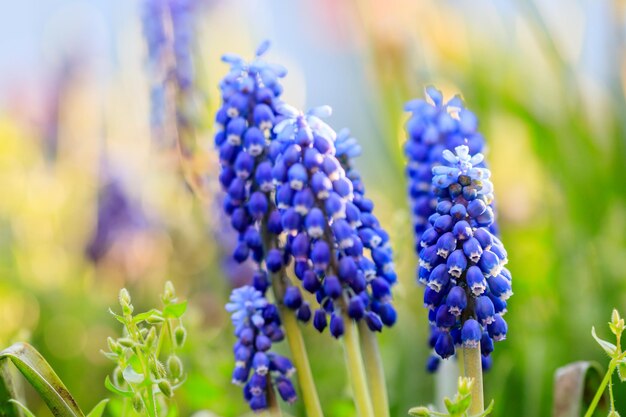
column 258, row 369
column 288, row 174
column 462, row 263
column 250, row 96
column 434, row 126
column 341, row 253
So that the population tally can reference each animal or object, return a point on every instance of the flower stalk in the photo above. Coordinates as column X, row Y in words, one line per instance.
column 293, row 334
column 301, row 360
column 356, row 370
column 473, row 369
column 375, row 371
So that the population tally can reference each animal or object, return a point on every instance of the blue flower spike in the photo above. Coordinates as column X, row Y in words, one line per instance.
column 257, row 368
column 461, row 261
column 342, row 253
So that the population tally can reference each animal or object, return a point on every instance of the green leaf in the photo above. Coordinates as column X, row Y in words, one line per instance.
column 25, row 409
column 131, row 376
column 458, row 407
column 98, row 409
column 110, row 355
column 111, row 387
column 175, row 310
column 487, row 411
column 621, row 371
column 608, row 347
column 8, row 391
column 43, row 378
column 118, row 317
column 144, row 316
column 574, row 387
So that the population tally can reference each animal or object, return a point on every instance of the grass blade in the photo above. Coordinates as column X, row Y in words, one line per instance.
column 43, row 378
column 8, row 392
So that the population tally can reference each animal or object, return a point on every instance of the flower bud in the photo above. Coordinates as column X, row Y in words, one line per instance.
column 126, row 342
column 166, row 388
column 420, row 412
column 124, row 299
column 151, row 337
column 617, row 323
column 155, row 319
column 465, row 385
column 180, row 335
column 175, row 367
column 137, row 403
column 169, row 294
column 114, row 346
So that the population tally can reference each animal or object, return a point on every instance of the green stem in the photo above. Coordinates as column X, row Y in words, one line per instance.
column 145, row 365
column 474, row 369
column 611, row 399
column 301, row 361
column 374, row 370
column 356, row 371
column 299, row 355
column 461, row 363
column 603, row 384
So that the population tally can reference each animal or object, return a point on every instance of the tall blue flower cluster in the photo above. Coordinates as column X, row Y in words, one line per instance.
column 340, row 252
column 291, row 202
column 258, row 369
column 168, row 27
column 462, row 261
column 434, row 126
column 250, row 97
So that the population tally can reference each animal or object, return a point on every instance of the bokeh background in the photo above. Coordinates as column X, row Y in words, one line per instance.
column 90, row 205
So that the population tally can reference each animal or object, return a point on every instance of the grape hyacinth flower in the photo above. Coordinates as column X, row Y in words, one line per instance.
column 119, row 219
column 259, row 370
column 168, row 28
column 462, row 261
column 434, row 126
column 340, row 252
column 250, row 95
column 247, row 147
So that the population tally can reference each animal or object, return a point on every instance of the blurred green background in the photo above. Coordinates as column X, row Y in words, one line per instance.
column 89, row 205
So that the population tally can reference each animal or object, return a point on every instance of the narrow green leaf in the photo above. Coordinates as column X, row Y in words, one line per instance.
column 98, row 409
column 175, row 310
column 8, row 391
column 43, row 378
column 621, row 371
column 25, row 409
column 117, row 316
column 608, row 347
column 487, row 411
column 110, row 355
column 144, row 316
column 109, row 385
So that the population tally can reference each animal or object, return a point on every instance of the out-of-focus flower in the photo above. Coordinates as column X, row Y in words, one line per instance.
column 257, row 369
column 118, row 217
column 461, row 261
column 168, row 27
